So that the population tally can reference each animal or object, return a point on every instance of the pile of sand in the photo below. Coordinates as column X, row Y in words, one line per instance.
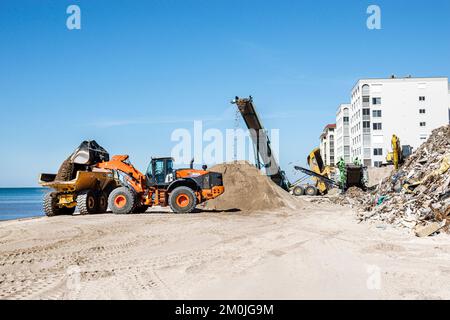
column 248, row 189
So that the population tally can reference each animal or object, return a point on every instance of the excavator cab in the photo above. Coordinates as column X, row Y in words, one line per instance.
column 160, row 172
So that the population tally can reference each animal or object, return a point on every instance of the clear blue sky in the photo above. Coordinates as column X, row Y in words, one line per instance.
column 137, row 70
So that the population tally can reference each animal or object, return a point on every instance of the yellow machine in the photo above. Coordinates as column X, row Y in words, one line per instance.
column 395, row 156
column 88, row 190
column 399, row 153
column 316, row 165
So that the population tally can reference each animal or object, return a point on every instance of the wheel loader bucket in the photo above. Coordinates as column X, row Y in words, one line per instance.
column 89, row 153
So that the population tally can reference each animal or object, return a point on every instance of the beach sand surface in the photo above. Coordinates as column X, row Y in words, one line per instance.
column 318, row 252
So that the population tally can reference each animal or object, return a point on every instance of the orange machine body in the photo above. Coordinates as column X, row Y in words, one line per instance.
column 154, row 194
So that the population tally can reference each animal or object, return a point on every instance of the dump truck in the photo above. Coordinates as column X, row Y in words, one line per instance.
column 89, row 180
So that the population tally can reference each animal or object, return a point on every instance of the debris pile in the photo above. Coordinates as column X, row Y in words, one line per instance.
column 417, row 196
column 247, row 189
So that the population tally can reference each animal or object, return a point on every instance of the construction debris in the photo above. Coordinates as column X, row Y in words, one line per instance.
column 417, row 196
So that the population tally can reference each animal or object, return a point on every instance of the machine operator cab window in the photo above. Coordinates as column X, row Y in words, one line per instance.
column 160, row 171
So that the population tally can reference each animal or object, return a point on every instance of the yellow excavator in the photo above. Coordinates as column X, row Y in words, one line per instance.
column 399, row 153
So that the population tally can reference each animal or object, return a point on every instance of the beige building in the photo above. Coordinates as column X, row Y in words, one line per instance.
column 327, row 144
column 342, row 136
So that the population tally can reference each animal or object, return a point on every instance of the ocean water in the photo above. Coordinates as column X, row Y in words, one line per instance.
column 18, row 203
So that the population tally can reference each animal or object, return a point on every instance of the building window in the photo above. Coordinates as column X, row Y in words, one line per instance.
column 365, row 89
column 366, row 112
column 346, row 119
column 377, row 163
column 377, row 152
column 377, row 126
column 423, row 124
column 421, row 98
column 366, row 99
column 366, row 124
column 422, row 111
column 376, row 113
column 376, row 100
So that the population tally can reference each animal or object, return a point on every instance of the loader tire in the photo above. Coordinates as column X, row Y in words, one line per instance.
column 122, row 200
column 298, row 191
column 87, row 202
column 51, row 207
column 182, row 200
column 66, row 171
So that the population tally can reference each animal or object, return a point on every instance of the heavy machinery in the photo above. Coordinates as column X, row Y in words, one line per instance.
column 99, row 182
column 263, row 150
column 162, row 185
column 327, row 177
column 399, row 153
column 321, row 175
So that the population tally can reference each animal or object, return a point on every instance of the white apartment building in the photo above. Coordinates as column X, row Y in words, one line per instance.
column 408, row 107
column 342, row 135
column 327, row 145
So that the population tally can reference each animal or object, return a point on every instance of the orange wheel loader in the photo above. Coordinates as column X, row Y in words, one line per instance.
column 162, row 185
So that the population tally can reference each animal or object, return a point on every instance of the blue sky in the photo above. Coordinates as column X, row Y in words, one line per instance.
column 137, row 70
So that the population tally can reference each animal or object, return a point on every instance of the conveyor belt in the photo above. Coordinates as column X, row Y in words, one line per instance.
column 261, row 142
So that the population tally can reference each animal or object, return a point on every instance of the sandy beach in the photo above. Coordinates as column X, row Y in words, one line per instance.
column 309, row 253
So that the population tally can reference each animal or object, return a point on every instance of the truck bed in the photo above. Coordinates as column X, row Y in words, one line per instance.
column 83, row 180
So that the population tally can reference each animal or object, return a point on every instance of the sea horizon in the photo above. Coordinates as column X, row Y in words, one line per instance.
column 21, row 202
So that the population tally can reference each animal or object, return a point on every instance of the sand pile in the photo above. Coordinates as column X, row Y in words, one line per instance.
column 247, row 189
column 419, row 192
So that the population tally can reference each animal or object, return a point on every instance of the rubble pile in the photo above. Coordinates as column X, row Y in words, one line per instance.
column 416, row 196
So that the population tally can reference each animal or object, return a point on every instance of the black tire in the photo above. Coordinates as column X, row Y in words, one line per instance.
column 87, row 202
column 122, row 200
column 66, row 171
column 298, row 191
column 51, row 207
column 102, row 202
column 140, row 209
column 182, row 200
column 311, row 191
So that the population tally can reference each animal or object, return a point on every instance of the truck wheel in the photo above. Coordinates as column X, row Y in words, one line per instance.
column 51, row 207
column 122, row 200
column 311, row 191
column 87, row 202
column 182, row 200
column 102, row 202
column 298, row 191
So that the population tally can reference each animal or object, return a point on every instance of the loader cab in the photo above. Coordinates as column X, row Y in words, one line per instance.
column 160, row 172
